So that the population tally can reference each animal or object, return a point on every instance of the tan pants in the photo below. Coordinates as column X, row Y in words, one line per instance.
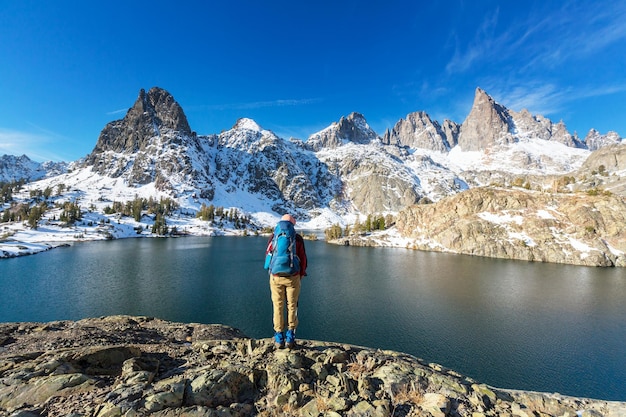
column 285, row 289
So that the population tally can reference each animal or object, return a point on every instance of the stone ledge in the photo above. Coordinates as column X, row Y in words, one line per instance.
column 142, row 366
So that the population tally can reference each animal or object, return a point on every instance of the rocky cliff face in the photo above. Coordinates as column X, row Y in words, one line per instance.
column 604, row 170
column 578, row 229
column 351, row 129
column 148, row 145
column 610, row 159
column 152, row 112
column 595, row 140
column 419, row 131
column 138, row 366
column 487, row 124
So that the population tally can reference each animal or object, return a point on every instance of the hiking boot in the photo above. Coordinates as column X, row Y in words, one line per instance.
column 279, row 340
column 290, row 338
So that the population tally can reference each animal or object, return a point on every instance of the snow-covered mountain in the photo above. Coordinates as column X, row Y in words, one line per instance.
column 14, row 168
column 344, row 170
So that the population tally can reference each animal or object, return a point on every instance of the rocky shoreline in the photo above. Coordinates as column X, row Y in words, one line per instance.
column 574, row 229
column 140, row 366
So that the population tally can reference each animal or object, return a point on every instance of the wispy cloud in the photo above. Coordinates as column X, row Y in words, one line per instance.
column 34, row 145
column 484, row 42
column 549, row 38
column 19, row 143
column 541, row 99
column 545, row 98
column 114, row 112
column 261, row 104
column 598, row 27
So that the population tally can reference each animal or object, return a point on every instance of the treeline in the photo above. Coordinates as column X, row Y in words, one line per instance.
column 70, row 213
column 211, row 214
column 372, row 222
column 33, row 212
column 7, row 189
column 139, row 206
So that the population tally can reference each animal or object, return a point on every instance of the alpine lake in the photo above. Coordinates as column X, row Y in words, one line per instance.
column 510, row 324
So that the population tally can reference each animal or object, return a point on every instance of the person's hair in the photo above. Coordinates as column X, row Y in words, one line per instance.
column 289, row 218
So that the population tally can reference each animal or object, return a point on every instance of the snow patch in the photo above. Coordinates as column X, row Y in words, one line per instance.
column 248, row 124
column 500, row 218
column 546, row 215
column 528, row 241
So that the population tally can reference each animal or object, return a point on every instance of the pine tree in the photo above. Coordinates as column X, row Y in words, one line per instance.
column 137, row 207
column 33, row 217
column 160, row 226
column 334, row 232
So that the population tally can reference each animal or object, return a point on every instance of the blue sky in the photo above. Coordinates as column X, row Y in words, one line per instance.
column 69, row 67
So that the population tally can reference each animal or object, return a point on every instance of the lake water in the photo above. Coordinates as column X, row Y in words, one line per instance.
column 544, row 327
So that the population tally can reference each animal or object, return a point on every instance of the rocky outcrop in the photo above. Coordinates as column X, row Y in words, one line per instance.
column 351, row 129
column 487, row 124
column 604, row 170
column 490, row 124
column 532, row 126
column 139, row 366
column 149, row 145
column 610, row 159
column 595, row 140
column 451, row 131
column 152, row 112
column 561, row 134
column 579, row 229
column 419, row 131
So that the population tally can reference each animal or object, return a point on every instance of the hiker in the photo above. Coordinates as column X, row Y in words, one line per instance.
column 285, row 258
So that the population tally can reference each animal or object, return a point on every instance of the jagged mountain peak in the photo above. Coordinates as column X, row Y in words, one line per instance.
column 246, row 134
column 355, row 128
column 247, row 124
column 354, row 117
column 595, row 140
column 418, row 130
column 153, row 112
column 491, row 124
column 487, row 124
column 350, row 129
column 168, row 113
column 148, row 144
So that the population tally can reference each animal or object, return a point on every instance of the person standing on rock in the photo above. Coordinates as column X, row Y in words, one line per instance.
column 285, row 259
